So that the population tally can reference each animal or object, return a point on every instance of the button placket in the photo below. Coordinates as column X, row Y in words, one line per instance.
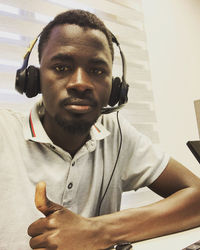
column 71, row 185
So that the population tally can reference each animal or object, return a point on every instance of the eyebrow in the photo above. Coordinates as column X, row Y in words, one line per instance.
column 98, row 61
column 62, row 57
column 68, row 57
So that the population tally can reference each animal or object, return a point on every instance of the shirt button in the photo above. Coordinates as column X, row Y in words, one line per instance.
column 73, row 163
column 52, row 147
column 70, row 185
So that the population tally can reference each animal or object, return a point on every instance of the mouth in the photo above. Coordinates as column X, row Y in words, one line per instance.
column 79, row 106
column 78, row 109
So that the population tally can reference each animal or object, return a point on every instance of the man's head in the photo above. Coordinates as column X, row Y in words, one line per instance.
column 75, row 52
column 81, row 18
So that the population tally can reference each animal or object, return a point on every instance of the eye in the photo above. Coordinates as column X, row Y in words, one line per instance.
column 97, row 71
column 62, row 68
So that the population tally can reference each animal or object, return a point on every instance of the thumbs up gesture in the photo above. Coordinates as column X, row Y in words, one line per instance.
column 42, row 203
column 62, row 229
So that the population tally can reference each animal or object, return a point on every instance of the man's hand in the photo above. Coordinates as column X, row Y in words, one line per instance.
column 62, row 229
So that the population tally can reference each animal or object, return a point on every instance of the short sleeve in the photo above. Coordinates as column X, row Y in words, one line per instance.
column 143, row 160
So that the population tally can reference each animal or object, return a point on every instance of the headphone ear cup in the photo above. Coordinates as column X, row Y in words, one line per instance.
column 123, row 97
column 115, row 91
column 20, row 80
column 32, row 84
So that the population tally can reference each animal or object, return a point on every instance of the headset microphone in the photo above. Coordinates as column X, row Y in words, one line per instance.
column 108, row 110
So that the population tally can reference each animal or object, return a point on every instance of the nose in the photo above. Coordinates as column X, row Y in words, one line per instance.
column 80, row 82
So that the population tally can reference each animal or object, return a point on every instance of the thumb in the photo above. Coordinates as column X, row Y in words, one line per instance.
column 42, row 203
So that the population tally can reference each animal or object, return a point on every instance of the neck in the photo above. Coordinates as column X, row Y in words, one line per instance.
column 71, row 143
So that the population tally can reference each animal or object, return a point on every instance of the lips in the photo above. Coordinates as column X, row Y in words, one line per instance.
column 79, row 106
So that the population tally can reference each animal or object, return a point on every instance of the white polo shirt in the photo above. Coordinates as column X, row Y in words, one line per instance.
column 27, row 156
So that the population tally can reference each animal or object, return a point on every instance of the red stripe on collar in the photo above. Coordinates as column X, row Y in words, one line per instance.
column 31, row 126
column 97, row 129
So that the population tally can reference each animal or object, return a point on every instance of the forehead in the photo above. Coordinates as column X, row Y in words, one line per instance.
column 78, row 38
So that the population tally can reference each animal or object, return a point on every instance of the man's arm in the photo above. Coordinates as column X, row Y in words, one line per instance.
column 180, row 210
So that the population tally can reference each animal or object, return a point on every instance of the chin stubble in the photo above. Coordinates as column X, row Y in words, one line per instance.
column 74, row 127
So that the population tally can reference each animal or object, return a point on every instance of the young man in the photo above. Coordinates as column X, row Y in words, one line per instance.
column 69, row 145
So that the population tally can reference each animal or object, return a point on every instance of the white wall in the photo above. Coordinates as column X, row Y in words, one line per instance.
column 173, row 38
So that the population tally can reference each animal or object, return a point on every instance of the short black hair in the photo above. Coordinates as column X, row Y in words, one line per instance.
column 79, row 17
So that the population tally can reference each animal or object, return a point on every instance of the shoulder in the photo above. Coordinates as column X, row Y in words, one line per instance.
column 10, row 118
column 141, row 161
column 11, row 113
column 115, row 123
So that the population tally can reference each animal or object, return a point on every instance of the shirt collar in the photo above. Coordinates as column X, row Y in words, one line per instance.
column 34, row 130
column 98, row 131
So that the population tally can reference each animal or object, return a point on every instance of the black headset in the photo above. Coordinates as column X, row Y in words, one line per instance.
column 28, row 81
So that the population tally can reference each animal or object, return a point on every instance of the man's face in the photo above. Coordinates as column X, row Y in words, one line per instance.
column 75, row 75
